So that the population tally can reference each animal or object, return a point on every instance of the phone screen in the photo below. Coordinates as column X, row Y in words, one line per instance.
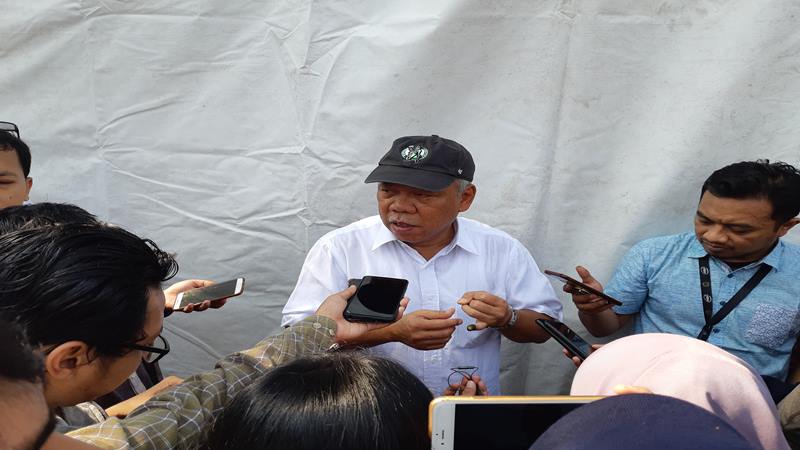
column 381, row 294
column 505, row 426
column 573, row 337
column 213, row 292
column 581, row 286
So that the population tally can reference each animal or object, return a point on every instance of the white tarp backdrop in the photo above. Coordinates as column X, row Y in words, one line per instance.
column 236, row 132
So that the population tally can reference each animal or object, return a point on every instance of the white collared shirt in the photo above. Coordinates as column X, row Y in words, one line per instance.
column 480, row 258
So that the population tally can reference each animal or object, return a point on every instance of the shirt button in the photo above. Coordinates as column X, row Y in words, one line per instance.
column 317, row 325
column 716, row 330
column 730, row 275
column 722, row 302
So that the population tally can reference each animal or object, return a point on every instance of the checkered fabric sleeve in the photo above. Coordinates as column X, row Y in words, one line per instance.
column 180, row 417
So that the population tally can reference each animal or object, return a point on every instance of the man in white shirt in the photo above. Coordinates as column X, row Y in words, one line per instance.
column 460, row 271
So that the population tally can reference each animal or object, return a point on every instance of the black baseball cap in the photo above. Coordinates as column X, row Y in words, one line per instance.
column 431, row 163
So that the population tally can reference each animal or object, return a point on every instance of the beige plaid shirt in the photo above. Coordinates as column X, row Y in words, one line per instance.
column 180, row 417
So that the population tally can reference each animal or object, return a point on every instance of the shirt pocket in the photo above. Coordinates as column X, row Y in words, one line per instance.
column 771, row 325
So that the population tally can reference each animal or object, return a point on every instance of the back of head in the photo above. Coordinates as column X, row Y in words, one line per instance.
column 777, row 182
column 640, row 421
column 346, row 401
column 86, row 283
column 11, row 143
column 44, row 214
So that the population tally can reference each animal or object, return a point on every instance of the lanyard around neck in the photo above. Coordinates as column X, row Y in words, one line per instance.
column 708, row 299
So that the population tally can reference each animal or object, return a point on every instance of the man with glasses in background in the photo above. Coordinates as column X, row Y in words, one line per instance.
column 15, row 166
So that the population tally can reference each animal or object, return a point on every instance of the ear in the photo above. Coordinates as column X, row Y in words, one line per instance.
column 62, row 361
column 467, row 197
column 783, row 229
column 29, row 182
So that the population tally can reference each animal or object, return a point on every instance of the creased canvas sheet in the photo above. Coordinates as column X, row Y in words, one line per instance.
column 235, row 133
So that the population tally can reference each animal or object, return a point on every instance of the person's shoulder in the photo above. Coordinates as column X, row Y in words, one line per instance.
column 666, row 243
column 490, row 238
column 790, row 256
column 790, row 247
column 364, row 227
column 481, row 230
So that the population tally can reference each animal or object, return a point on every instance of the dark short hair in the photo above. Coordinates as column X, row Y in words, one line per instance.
column 346, row 401
column 19, row 362
column 777, row 182
column 45, row 214
column 89, row 283
column 9, row 142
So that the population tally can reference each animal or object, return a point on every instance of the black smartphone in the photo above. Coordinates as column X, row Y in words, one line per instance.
column 566, row 337
column 581, row 286
column 376, row 299
column 217, row 291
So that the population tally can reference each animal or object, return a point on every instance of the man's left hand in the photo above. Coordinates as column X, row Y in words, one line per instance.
column 489, row 310
column 346, row 332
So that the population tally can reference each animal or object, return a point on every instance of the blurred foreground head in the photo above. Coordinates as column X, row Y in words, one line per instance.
column 346, row 401
column 688, row 369
column 641, row 421
column 25, row 419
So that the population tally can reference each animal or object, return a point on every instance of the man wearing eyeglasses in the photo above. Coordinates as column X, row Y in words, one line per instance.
column 89, row 297
column 15, row 166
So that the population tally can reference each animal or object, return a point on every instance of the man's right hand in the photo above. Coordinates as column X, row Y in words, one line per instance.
column 585, row 302
column 426, row 329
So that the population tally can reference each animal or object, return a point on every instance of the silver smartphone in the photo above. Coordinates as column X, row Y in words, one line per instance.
column 488, row 423
column 216, row 291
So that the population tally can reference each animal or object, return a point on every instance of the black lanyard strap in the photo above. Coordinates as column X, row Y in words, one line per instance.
column 708, row 299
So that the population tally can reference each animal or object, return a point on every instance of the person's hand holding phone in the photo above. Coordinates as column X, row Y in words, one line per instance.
column 171, row 293
column 575, row 360
column 426, row 329
column 487, row 309
column 587, row 302
column 347, row 332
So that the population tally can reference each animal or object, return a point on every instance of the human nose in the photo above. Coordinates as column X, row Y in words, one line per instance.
column 402, row 204
column 715, row 234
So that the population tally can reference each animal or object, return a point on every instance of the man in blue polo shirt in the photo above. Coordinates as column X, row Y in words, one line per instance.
column 733, row 282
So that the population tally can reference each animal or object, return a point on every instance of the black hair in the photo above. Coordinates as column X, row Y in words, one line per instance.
column 346, row 401
column 11, row 143
column 777, row 182
column 19, row 362
column 88, row 283
column 14, row 218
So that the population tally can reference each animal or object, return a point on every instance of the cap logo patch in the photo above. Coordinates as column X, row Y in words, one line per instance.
column 414, row 153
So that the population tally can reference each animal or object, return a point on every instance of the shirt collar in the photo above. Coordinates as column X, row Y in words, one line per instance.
column 773, row 258
column 696, row 249
column 463, row 240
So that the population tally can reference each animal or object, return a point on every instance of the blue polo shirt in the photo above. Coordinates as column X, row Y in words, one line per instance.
column 659, row 279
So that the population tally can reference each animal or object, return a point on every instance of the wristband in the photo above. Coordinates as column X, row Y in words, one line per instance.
column 511, row 321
